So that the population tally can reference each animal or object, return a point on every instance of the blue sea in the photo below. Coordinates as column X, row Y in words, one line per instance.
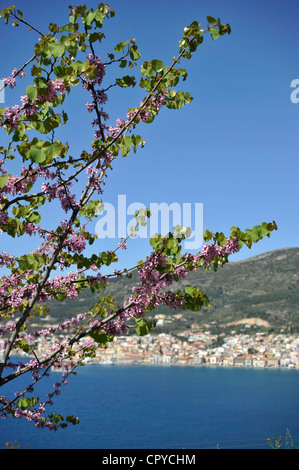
column 152, row 407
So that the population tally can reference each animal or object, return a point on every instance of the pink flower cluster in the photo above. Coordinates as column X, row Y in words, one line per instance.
column 17, row 184
column 3, row 219
column 114, row 131
column 99, row 96
column 12, row 116
column 213, row 251
column 45, row 332
column 17, row 288
column 54, row 88
column 67, row 200
column 100, row 72
column 122, row 245
column 6, row 259
column 75, row 244
column 36, row 413
column 16, row 72
column 92, row 172
column 154, row 104
column 90, row 107
column 30, row 107
column 11, row 81
column 150, row 292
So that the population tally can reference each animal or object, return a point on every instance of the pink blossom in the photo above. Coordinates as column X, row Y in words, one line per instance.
column 99, row 96
column 122, row 245
column 29, row 106
column 90, row 107
column 51, row 93
column 9, row 81
column 100, row 72
column 20, row 74
column 12, row 116
column 75, row 243
column 3, row 217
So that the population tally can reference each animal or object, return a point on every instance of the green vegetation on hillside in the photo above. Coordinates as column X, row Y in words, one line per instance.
column 264, row 287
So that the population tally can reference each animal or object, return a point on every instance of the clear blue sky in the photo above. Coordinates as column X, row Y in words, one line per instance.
column 234, row 148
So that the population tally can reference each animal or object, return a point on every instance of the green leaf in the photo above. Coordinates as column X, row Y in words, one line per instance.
column 173, row 246
column 214, row 33
column 157, row 65
column 59, row 71
column 99, row 18
column 56, row 50
column 72, row 419
column 212, row 20
column 37, row 155
column 41, row 84
column 60, row 297
column 89, row 19
column 44, row 126
column 128, row 140
column 108, row 257
column 125, row 151
column 155, row 241
column 52, row 150
column 255, row 233
column 194, row 300
column 3, row 180
column 22, row 344
column 188, row 290
column 24, row 403
column 146, row 69
column 101, row 338
column 93, row 37
column 31, row 92
column 120, row 46
column 143, row 326
column 134, row 53
column 34, row 217
column 54, row 418
column 207, row 235
column 126, row 81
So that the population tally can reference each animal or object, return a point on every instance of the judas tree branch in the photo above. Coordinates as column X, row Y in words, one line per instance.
column 83, row 199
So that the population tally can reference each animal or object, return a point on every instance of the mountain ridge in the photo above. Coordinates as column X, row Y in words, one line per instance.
column 264, row 286
column 266, row 253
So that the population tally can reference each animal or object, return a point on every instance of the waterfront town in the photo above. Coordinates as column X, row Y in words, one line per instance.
column 197, row 347
column 241, row 350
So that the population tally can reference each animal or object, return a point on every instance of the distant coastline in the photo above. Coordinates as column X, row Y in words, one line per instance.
column 168, row 365
column 204, row 365
column 200, row 349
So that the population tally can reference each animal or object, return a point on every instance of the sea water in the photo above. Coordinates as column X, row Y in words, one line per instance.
column 152, row 407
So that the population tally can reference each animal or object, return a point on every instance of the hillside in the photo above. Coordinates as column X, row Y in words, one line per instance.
column 261, row 291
